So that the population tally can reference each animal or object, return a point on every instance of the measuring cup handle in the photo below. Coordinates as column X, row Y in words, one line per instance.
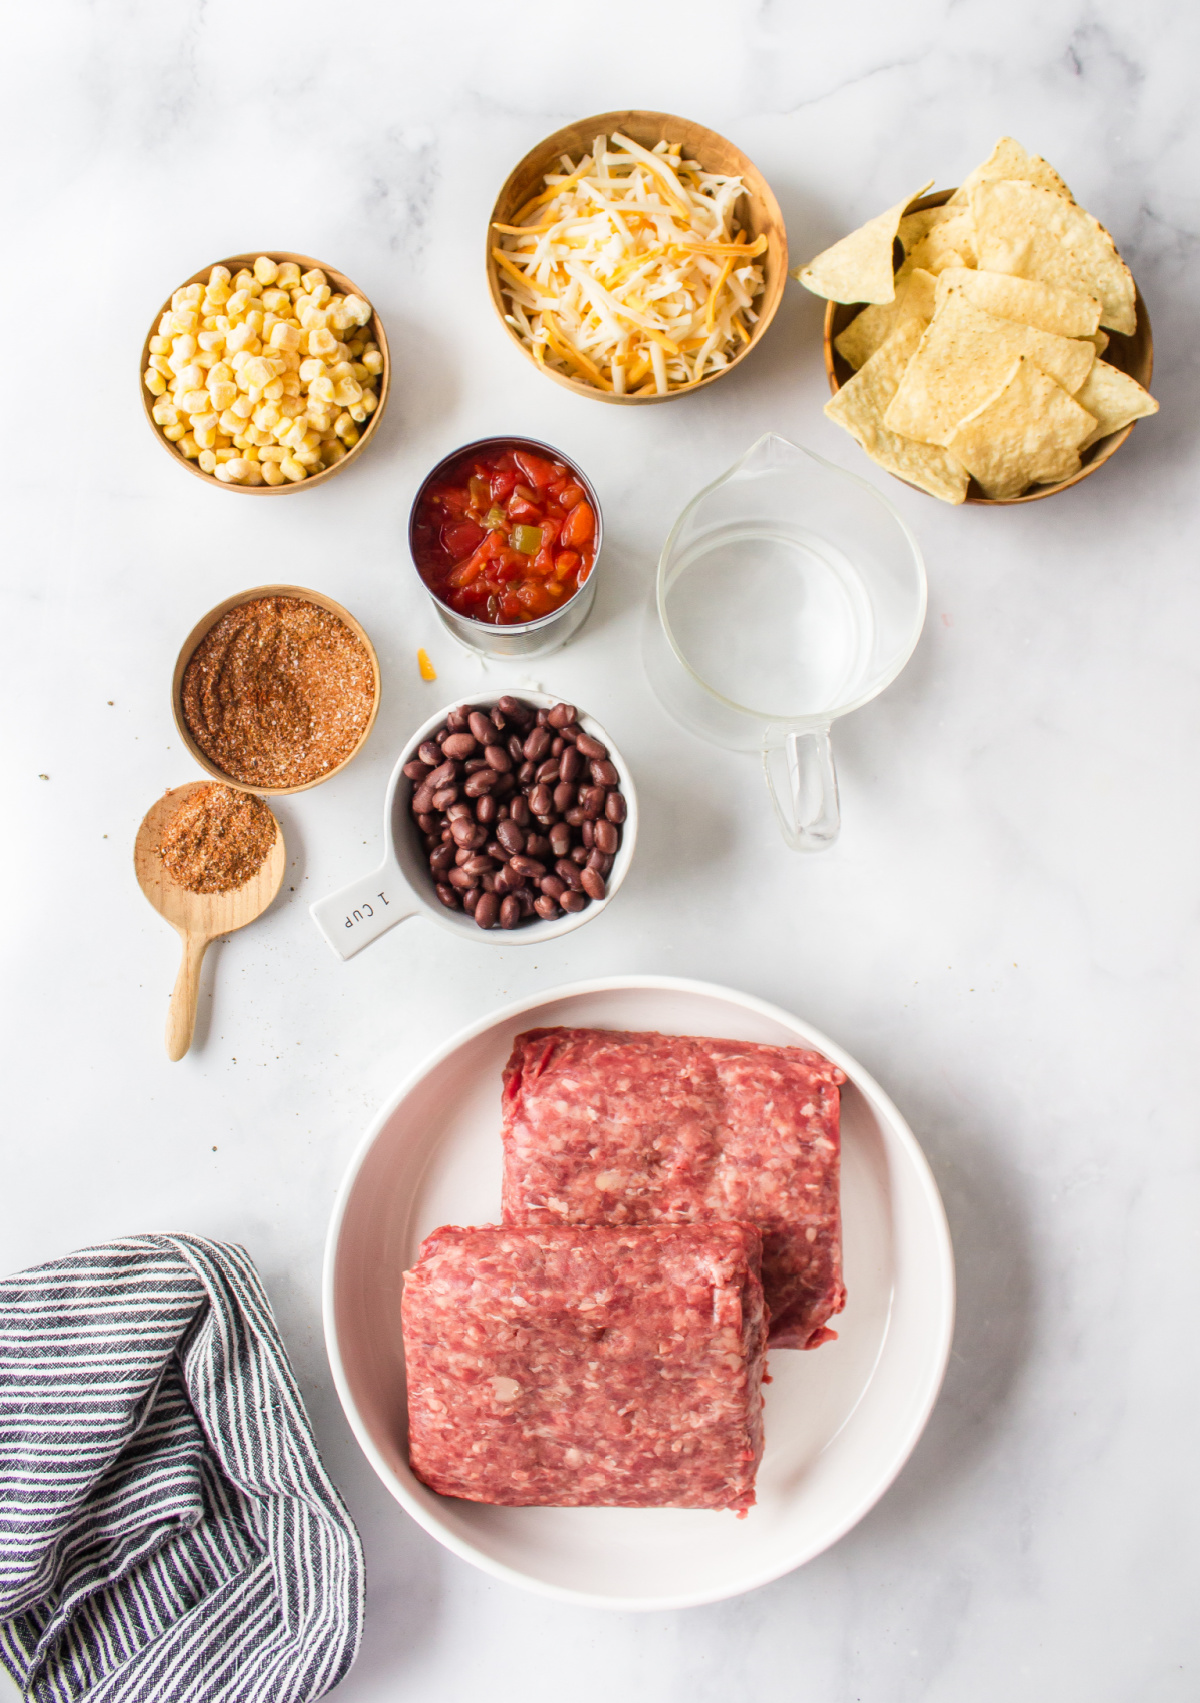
column 356, row 915
column 803, row 785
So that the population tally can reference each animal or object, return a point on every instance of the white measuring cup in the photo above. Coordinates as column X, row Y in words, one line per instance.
column 788, row 594
column 402, row 887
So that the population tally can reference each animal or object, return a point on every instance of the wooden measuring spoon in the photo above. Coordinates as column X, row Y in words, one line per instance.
column 198, row 917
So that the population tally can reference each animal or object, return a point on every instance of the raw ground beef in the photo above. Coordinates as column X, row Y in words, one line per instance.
column 574, row 1366
column 607, row 1127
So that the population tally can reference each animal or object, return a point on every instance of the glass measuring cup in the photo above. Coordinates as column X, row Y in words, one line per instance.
column 788, row 593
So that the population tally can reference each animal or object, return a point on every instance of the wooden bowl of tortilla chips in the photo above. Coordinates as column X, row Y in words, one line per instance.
column 974, row 296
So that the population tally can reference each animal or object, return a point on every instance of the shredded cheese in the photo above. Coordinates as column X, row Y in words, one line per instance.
column 629, row 272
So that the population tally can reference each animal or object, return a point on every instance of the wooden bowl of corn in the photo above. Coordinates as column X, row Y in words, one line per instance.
column 316, row 354
column 753, row 218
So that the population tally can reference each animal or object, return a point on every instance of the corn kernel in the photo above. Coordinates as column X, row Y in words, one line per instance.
column 258, row 371
column 212, row 340
column 162, row 364
column 357, row 412
column 238, row 303
column 372, row 359
column 334, row 452
column 208, row 461
column 336, row 316
column 272, row 473
column 243, row 408
column 322, row 343
column 291, row 385
column 205, row 436
column 346, row 430
column 163, row 414
column 218, row 294
column 219, row 275
column 346, row 392
column 311, row 369
column 222, row 393
column 277, row 301
column 241, row 441
column 204, row 359
column 194, row 401
column 188, row 446
column 224, row 453
column 222, row 472
column 273, row 391
column 244, row 278
column 265, row 269
column 205, row 422
column 155, row 383
column 321, row 389
column 272, row 452
column 185, row 321
column 358, row 310
column 360, row 372
column 318, row 418
column 293, row 469
column 369, row 402
column 242, row 337
column 237, row 469
column 174, row 433
column 160, row 345
column 251, row 454
column 222, row 442
column 266, row 416
column 289, row 275
column 310, row 280
column 254, row 319
column 284, row 336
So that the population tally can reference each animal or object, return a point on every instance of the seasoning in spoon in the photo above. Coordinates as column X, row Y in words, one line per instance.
column 217, row 839
column 278, row 692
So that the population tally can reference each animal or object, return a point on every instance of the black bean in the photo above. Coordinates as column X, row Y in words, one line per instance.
column 422, row 799
column 505, row 786
column 473, row 765
column 479, row 863
column 459, row 878
column 460, row 745
column 482, row 727
column 444, row 797
column 429, row 823
column 520, row 812
column 483, row 780
column 510, row 911
column 591, row 801
column 496, row 850
column 516, row 748
column 447, row 895
column 537, row 745
column 572, row 901
column 486, row 808
column 541, row 801
column 467, row 832
column 556, row 745
column 537, row 845
column 470, row 899
column 574, row 816
column 499, row 759
column 488, row 881
column 615, row 807
column 580, row 855
column 600, row 861
column 457, row 719
column 511, row 837
column 568, row 872
column 588, row 832
column 561, row 715
column 440, row 859
column 430, row 754
column 554, row 885
column 593, row 883
column 458, row 812
column 528, row 868
column 417, row 771
column 586, row 746
column 560, row 836
column 571, row 732
column 542, row 717
column 603, row 773
column 564, row 797
column 499, row 720
column 570, row 764
column 513, row 708
column 487, row 911
column 546, row 907
column 526, row 772
column 608, row 835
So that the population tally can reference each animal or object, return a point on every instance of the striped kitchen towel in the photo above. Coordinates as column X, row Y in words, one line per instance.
column 167, row 1531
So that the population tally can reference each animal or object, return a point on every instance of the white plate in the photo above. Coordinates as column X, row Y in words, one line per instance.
column 841, row 1420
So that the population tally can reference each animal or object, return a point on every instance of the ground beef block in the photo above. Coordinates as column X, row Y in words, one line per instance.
column 607, row 1127
column 573, row 1366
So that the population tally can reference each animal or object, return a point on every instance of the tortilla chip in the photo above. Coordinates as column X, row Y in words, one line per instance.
column 860, row 406
column 1035, row 233
column 860, row 267
column 1028, row 432
column 1047, row 307
column 875, row 324
column 1009, row 160
column 948, row 242
column 1114, row 398
column 1101, row 340
column 913, row 226
column 964, row 358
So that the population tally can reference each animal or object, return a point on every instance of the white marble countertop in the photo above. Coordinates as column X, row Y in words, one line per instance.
column 1004, row 934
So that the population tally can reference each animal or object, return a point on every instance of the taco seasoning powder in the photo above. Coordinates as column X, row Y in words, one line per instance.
column 278, row 692
column 217, row 839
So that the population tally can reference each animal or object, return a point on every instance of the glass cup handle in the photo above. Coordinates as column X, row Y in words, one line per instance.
column 803, row 785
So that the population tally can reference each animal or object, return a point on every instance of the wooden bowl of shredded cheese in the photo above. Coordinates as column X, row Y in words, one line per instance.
column 636, row 256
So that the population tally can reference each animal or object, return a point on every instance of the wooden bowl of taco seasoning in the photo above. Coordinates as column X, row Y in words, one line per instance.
column 276, row 689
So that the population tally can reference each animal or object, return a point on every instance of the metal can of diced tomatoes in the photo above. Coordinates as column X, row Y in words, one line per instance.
column 505, row 534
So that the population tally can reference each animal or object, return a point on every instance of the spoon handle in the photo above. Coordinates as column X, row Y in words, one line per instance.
column 181, row 1017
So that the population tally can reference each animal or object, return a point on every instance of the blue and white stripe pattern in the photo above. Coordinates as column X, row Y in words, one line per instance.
column 167, row 1531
